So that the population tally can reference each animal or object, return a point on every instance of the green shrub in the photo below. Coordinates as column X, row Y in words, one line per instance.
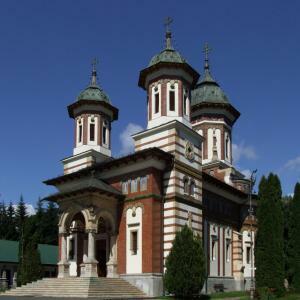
column 185, row 265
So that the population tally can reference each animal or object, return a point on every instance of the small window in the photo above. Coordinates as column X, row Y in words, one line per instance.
column 185, row 103
column 80, row 133
column 105, row 133
column 134, row 242
column 248, row 254
column 214, row 244
column 143, row 183
column 186, row 185
column 71, row 249
column 227, row 147
column 125, row 187
column 134, row 186
column 92, row 132
column 192, row 188
column 228, row 242
column 156, row 106
column 172, row 100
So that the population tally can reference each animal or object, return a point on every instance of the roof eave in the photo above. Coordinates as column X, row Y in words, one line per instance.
column 143, row 73
column 105, row 104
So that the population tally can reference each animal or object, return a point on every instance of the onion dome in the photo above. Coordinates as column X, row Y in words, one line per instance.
column 93, row 91
column 207, row 89
column 208, row 98
column 168, row 58
column 168, row 54
column 93, row 98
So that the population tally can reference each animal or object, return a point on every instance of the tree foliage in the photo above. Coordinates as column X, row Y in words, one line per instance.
column 269, row 250
column 294, row 240
column 185, row 265
column 40, row 228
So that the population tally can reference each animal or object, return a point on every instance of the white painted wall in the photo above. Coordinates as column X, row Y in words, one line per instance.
column 134, row 223
column 247, row 243
column 72, row 262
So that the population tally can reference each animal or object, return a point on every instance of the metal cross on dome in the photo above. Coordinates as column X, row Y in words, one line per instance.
column 94, row 63
column 168, row 22
column 206, row 50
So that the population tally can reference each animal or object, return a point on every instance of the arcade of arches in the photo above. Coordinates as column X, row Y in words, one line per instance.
column 87, row 244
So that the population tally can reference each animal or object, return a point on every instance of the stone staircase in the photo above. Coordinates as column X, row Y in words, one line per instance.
column 79, row 287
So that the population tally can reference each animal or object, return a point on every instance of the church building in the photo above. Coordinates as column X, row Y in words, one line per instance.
column 119, row 216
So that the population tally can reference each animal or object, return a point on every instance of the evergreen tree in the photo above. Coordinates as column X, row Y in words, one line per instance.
column 294, row 240
column 3, row 220
column 50, row 219
column 30, row 270
column 269, row 250
column 185, row 265
column 11, row 232
column 21, row 215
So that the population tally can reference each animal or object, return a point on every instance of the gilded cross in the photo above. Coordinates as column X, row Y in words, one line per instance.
column 168, row 22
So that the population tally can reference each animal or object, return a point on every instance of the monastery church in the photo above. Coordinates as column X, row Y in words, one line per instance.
column 119, row 216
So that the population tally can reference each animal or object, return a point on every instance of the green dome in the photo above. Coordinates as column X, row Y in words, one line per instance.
column 208, row 90
column 167, row 55
column 93, row 92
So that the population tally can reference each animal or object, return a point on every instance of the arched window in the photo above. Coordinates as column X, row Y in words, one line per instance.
column 192, row 188
column 92, row 129
column 186, row 185
column 80, row 130
column 134, row 185
column 125, row 187
column 105, row 133
column 156, row 100
column 227, row 145
column 172, row 98
column 185, row 103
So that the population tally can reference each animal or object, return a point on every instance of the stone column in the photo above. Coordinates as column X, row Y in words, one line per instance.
column 112, row 263
column 90, row 265
column 63, row 265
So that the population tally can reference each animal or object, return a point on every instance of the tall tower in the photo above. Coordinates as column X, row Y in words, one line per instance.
column 213, row 117
column 168, row 80
column 93, row 114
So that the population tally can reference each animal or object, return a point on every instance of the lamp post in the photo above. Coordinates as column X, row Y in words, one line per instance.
column 251, row 216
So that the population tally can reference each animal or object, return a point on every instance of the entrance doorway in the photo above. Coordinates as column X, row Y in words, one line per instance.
column 101, row 257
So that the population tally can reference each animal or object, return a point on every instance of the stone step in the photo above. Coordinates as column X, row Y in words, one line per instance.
column 102, row 288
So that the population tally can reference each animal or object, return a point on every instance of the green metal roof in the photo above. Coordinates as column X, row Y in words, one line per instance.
column 49, row 254
column 208, row 90
column 9, row 252
column 93, row 91
column 167, row 55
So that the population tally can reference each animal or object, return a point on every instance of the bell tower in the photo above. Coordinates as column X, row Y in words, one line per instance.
column 213, row 117
column 93, row 114
column 168, row 80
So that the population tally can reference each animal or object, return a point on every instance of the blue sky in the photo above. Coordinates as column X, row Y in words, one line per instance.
column 45, row 54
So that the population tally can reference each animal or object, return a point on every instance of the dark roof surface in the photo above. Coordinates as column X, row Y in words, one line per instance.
column 113, row 163
column 9, row 252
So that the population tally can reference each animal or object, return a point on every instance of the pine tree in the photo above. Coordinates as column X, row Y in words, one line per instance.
column 21, row 215
column 185, row 265
column 30, row 270
column 11, row 232
column 50, row 232
column 269, row 254
column 3, row 220
column 294, row 240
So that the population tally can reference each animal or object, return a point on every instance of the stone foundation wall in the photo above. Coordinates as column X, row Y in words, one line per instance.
column 150, row 283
